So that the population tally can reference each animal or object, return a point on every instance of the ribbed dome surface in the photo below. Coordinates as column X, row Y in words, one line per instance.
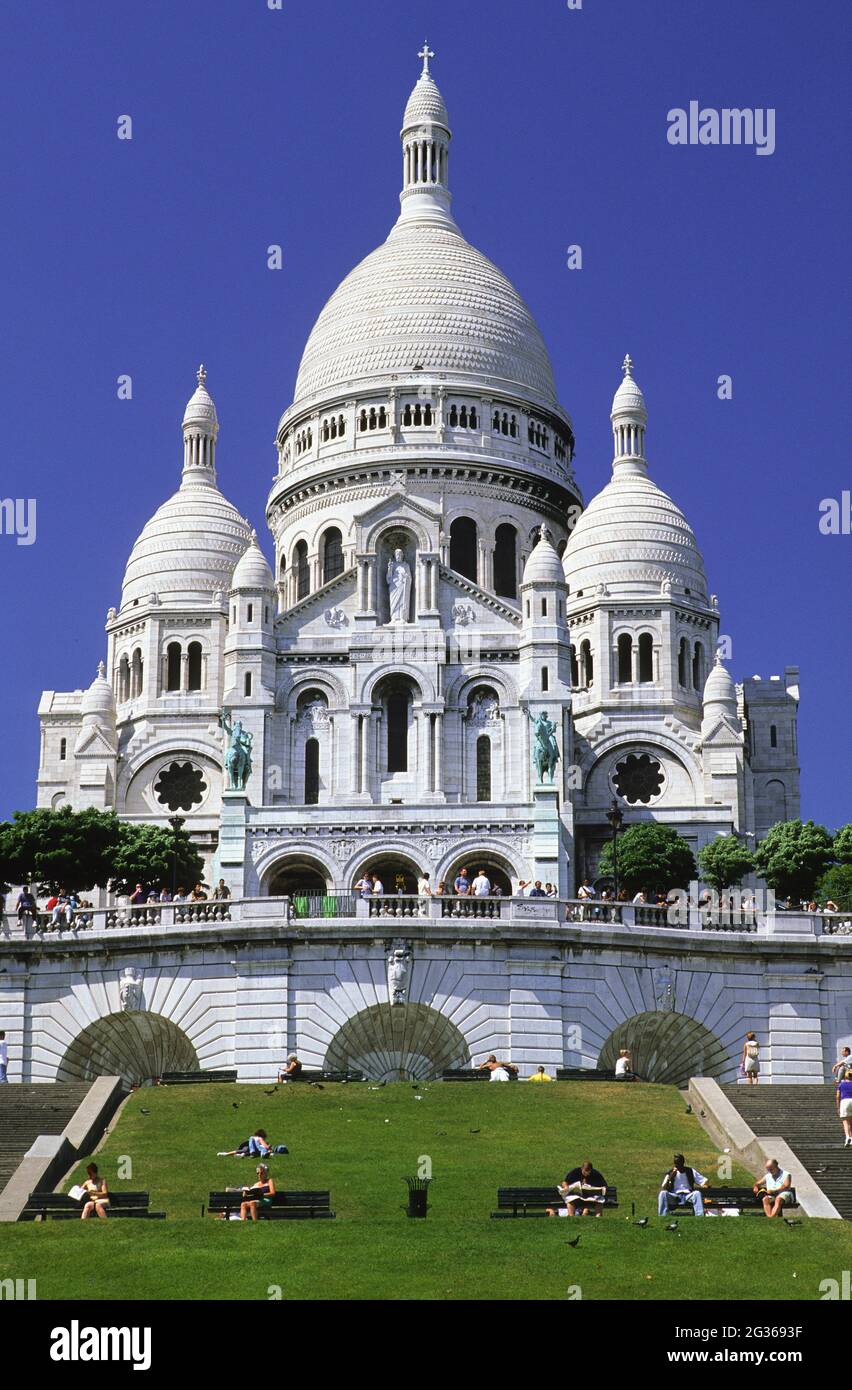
column 252, row 571
column 425, row 104
column 631, row 537
column 188, row 549
column 99, row 699
column 426, row 297
column 543, row 564
column 719, row 688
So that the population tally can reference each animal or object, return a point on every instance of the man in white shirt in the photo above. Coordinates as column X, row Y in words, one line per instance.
column 682, row 1186
column 774, row 1188
column 639, row 898
column 4, row 1057
column 481, row 885
column 423, row 886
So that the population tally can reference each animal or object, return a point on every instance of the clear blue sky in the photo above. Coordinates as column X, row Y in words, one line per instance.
column 254, row 126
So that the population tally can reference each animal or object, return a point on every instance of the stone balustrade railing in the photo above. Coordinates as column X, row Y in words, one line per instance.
column 304, row 912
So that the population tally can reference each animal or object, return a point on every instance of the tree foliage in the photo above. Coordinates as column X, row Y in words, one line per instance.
column 836, row 885
column 651, row 857
column 59, row 849
column 156, row 857
column 842, row 845
column 793, row 856
column 725, row 861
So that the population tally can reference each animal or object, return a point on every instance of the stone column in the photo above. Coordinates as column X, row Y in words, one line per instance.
column 184, row 672
column 13, row 1010
column 438, row 763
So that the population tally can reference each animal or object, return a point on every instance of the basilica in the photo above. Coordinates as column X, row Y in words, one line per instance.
column 432, row 592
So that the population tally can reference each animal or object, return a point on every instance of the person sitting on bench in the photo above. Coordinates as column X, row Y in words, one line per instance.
column 291, row 1070
column 624, row 1067
column 682, row 1186
column 264, row 1189
column 98, row 1194
column 584, row 1187
column 774, row 1188
column 500, row 1071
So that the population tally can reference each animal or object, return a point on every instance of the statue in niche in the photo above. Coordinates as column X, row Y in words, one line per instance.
column 399, row 587
column 130, row 990
column 399, row 970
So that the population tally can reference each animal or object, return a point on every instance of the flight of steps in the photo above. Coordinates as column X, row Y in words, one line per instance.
column 805, row 1116
column 26, row 1111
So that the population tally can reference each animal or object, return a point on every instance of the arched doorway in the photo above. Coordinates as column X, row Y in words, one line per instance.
column 397, row 873
column 495, row 869
column 398, row 1042
column 296, row 877
column 137, row 1046
column 669, row 1048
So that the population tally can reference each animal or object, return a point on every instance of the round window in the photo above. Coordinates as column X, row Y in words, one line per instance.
column 180, row 786
column 638, row 777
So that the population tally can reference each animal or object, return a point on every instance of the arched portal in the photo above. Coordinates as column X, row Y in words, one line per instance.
column 296, row 876
column 398, row 873
column 495, row 868
column 137, row 1046
column 669, row 1048
column 398, row 1042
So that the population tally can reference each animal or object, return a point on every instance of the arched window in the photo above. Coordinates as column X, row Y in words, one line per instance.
column 776, row 802
column 362, row 419
column 773, row 736
column 398, row 705
column 698, row 667
column 646, row 657
column 587, row 666
column 473, row 418
column 506, row 561
column 625, row 659
column 483, row 768
column 249, row 612
column 575, row 671
column 173, row 655
column 136, row 674
column 63, row 749
column 193, row 651
column 247, row 683
column 124, row 678
column 545, row 680
column 406, row 415
column 302, row 570
column 311, row 772
column 332, row 553
column 463, row 547
column 683, row 663
column 454, row 415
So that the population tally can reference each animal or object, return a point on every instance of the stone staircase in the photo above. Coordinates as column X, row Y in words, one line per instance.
column 26, row 1111
column 805, row 1116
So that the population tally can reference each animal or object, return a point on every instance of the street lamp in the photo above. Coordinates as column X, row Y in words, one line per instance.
column 175, row 822
column 615, row 817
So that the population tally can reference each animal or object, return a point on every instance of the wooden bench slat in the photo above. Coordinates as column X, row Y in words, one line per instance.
column 520, row 1201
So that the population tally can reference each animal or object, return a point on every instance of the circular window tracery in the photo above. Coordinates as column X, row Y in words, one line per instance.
column 180, row 786
column 638, row 778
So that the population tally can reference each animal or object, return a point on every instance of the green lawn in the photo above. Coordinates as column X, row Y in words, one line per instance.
column 361, row 1143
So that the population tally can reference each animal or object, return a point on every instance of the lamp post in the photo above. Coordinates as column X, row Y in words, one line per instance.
column 615, row 817
column 175, row 822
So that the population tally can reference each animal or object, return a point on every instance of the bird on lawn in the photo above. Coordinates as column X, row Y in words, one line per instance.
column 573, row 1243
column 272, row 1092
column 672, row 1226
column 144, row 1112
column 316, row 1086
column 788, row 1222
column 474, row 1131
column 689, row 1110
column 643, row 1221
column 235, row 1105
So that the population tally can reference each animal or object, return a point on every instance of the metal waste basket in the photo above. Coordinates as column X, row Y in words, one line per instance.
column 417, row 1196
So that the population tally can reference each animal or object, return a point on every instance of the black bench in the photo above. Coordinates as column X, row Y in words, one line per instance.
column 285, row 1206
column 472, row 1074
column 193, row 1078
column 740, row 1197
column 583, row 1074
column 533, row 1201
column 328, row 1076
column 58, row 1206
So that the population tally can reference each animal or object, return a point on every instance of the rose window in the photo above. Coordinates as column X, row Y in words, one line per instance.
column 180, row 786
column 638, row 777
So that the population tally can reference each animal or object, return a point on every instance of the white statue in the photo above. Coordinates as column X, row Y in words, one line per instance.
column 130, row 989
column 399, row 587
column 399, row 969
column 664, row 989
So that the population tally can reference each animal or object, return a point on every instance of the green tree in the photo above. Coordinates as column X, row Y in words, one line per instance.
column 59, row 849
column 651, row 857
column 836, row 884
column 841, row 848
column 155, row 856
column 792, row 857
column 725, row 861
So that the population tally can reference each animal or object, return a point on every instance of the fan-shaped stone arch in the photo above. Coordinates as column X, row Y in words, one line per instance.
column 669, row 1048
column 398, row 1042
column 137, row 1046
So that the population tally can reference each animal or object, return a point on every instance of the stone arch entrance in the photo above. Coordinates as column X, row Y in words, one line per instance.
column 669, row 1048
column 398, row 1042
column 136, row 1046
column 391, row 866
column 496, row 868
column 296, row 875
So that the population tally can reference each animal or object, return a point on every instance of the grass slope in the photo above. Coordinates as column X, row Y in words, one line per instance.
column 361, row 1143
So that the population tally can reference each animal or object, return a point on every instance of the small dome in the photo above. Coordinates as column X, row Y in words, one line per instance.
column 543, row 565
column 188, row 549
column 252, row 571
column 200, row 410
column 628, row 399
column 425, row 105
column 719, row 689
column 98, row 700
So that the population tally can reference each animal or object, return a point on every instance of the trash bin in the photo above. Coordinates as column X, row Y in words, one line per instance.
column 417, row 1196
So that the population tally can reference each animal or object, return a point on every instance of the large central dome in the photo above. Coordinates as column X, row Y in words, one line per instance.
column 426, row 299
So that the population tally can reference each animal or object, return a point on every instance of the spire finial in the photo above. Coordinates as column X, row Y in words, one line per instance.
column 201, row 374
column 101, row 671
column 425, row 53
column 627, row 365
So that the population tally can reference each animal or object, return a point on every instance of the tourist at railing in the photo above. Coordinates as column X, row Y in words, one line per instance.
column 26, row 907
column 423, row 886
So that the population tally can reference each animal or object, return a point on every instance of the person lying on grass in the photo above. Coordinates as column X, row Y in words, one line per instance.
column 258, row 1146
column 264, row 1189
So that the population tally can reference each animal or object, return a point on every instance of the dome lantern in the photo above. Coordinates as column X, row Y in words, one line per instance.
column 200, row 428
column 629, row 418
column 426, row 139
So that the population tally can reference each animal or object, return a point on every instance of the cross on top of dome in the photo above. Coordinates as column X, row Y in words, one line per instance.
column 201, row 375
column 627, row 365
column 425, row 53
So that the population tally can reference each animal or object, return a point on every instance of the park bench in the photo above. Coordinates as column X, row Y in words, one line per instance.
column 283, row 1206
column 742, row 1198
column 328, row 1076
column 194, row 1078
column 58, row 1206
column 583, row 1074
column 471, row 1074
column 533, row 1201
